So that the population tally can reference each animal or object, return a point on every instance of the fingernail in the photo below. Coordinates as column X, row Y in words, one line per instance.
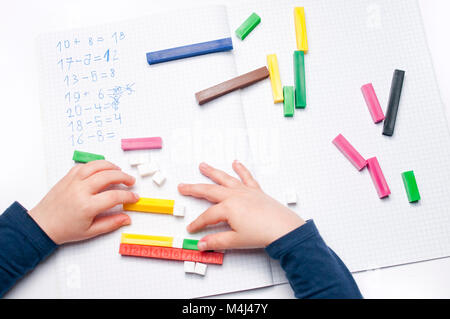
column 237, row 162
column 136, row 196
column 202, row 245
column 204, row 165
column 181, row 185
column 126, row 221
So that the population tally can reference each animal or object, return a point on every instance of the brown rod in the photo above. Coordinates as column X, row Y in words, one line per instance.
column 226, row 87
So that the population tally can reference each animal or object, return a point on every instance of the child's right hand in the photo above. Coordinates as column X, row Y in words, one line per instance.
column 256, row 219
column 69, row 211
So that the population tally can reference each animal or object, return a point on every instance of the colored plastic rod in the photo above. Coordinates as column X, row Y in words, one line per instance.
column 300, row 29
column 84, row 157
column 226, row 87
column 378, row 178
column 289, row 101
column 372, row 103
column 299, row 79
column 275, row 80
column 206, row 257
column 190, row 244
column 394, row 101
column 409, row 180
column 247, row 26
column 147, row 240
column 151, row 205
column 188, row 51
column 350, row 152
column 143, row 143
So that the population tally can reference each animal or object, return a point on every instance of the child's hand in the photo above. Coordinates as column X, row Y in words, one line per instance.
column 68, row 212
column 255, row 218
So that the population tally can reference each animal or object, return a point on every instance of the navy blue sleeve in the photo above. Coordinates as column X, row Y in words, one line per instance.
column 312, row 268
column 23, row 244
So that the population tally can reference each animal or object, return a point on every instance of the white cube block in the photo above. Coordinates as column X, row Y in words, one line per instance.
column 177, row 242
column 200, row 269
column 138, row 159
column 189, row 267
column 148, row 169
column 178, row 210
column 159, row 178
column 291, row 198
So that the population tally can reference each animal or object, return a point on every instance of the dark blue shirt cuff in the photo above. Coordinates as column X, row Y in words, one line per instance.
column 292, row 239
column 312, row 268
column 18, row 218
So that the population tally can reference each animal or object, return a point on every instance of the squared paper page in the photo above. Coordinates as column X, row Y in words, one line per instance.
column 138, row 100
column 352, row 43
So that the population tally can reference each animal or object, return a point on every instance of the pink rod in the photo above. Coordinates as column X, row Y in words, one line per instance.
column 372, row 103
column 378, row 178
column 145, row 143
column 350, row 152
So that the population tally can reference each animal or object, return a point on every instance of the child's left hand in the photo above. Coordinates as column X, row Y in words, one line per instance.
column 69, row 211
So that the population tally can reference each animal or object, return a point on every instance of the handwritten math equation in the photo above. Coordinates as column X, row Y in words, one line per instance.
column 92, row 101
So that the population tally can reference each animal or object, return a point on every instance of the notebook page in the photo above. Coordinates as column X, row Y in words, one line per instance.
column 352, row 43
column 96, row 88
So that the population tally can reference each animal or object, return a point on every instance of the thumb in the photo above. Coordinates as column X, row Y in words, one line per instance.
column 219, row 241
column 107, row 224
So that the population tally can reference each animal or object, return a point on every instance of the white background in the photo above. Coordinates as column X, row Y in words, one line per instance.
column 22, row 169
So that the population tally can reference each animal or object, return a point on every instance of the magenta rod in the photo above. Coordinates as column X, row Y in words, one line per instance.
column 378, row 178
column 350, row 152
column 372, row 103
column 144, row 143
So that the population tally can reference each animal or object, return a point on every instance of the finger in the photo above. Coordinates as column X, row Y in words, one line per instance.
column 71, row 174
column 218, row 241
column 218, row 176
column 210, row 192
column 89, row 169
column 106, row 200
column 74, row 170
column 107, row 224
column 213, row 215
column 103, row 179
column 245, row 175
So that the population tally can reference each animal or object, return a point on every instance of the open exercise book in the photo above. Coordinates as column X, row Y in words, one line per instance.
column 96, row 88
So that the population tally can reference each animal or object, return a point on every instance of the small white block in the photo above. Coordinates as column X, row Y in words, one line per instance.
column 291, row 198
column 138, row 159
column 148, row 169
column 200, row 269
column 189, row 267
column 177, row 242
column 159, row 178
column 178, row 210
